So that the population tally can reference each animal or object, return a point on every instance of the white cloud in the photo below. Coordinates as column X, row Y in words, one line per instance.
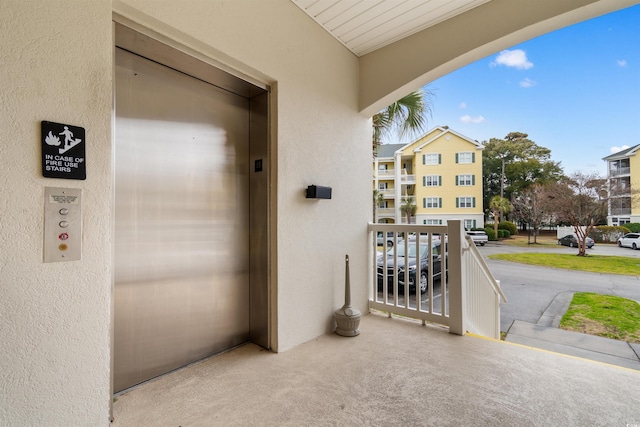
column 616, row 149
column 528, row 83
column 463, row 106
column 516, row 58
column 622, row 62
column 468, row 119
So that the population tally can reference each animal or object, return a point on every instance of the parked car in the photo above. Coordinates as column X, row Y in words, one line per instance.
column 424, row 238
column 630, row 240
column 380, row 240
column 478, row 237
column 571, row 241
column 410, row 265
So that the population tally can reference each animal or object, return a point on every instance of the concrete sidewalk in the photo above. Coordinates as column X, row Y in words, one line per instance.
column 546, row 335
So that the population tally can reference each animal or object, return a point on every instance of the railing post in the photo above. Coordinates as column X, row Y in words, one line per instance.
column 456, row 289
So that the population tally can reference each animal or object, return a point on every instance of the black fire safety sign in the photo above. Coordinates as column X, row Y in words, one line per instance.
column 63, row 148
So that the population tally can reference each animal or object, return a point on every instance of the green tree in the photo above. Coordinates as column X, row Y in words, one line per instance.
column 499, row 206
column 408, row 208
column 405, row 117
column 512, row 164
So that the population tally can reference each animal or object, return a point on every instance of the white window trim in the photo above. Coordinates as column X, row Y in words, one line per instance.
column 462, row 183
column 428, row 159
column 465, row 153
column 437, row 202
column 470, row 198
column 433, row 178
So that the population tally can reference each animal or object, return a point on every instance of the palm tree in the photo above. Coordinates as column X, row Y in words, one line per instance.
column 408, row 208
column 499, row 206
column 407, row 116
column 378, row 198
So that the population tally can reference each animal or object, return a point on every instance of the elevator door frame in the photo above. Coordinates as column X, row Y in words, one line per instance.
column 146, row 43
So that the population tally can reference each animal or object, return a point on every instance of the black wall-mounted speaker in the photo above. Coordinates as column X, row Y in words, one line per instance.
column 318, row 192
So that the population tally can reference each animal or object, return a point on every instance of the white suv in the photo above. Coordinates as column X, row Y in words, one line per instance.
column 478, row 237
column 630, row 240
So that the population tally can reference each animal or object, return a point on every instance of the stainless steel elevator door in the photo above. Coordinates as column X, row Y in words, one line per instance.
column 181, row 220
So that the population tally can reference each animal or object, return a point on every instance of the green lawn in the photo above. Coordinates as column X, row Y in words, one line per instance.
column 603, row 315
column 592, row 263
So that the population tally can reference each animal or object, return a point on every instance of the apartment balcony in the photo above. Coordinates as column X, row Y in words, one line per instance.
column 387, row 193
column 386, row 212
column 397, row 372
column 411, row 221
column 619, row 172
column 406, row 179
column 620, row 211
column 386, row 174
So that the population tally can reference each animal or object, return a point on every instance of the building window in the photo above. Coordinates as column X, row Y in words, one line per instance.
column 383, row 185
column 432, row 221
column 466, row 180
column 465, row 202
column 469, row 224
column 383, row 205
column 431, row 180
column 431, row 159
column 432, row 202
column 466, row 157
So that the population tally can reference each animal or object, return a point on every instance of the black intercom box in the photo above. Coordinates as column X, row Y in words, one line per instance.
column 318, row 192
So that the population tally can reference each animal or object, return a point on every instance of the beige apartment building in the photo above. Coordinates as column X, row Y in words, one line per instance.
column 441, row 171
column 623, row 174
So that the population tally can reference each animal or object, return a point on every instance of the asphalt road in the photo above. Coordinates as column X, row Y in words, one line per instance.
column 531, row 289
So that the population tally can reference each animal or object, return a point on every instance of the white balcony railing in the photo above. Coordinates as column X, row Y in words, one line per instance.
column 483, row 293
column 386, row 212
column 407, row 179
column 412, row 220
column 619, row 171
column 386, row 173
column 620, row 211
column 461, row 293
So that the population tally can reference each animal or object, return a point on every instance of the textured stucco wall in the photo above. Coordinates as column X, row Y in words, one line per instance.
column 321, row 139
column 57, row 66
column 54, row 318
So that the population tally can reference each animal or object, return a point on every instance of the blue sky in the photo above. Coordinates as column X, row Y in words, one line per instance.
column 575, row 91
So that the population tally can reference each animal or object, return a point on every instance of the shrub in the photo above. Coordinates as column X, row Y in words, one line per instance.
column 490, row 233
column 634, row 227
column 606, row 233
column 507, row 234
column 501, row 233
column 509, row 226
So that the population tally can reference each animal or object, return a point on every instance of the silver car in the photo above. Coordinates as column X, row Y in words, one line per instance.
column 478, row 237
column 630, row 240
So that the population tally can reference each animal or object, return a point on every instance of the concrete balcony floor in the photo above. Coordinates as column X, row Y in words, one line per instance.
column 395, row 373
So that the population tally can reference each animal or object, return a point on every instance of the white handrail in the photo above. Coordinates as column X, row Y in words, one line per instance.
column 485, row 268
column 393, row 275
column 468, row 301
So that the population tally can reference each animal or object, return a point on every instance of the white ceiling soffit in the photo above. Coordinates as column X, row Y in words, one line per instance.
column 366, row 25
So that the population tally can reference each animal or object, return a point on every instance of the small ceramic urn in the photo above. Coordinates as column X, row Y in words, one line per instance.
column 347, row 318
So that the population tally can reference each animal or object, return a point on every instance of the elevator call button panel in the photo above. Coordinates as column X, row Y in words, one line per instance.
column 62, row 224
